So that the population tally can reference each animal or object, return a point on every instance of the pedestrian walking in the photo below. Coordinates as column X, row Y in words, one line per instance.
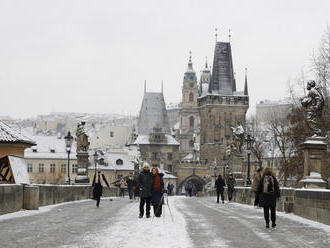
column 122, row 187
column 157, row 190
column 169, row 190
column 190, row 188
column 231, row 186
column 269, row 191
column 130, row 184
column 255, row 184
column 219, row 185
column 97, row 187
column 145, row 190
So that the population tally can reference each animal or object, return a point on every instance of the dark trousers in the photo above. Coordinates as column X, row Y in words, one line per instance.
column 130, row 193
column 98, row 198
column 220, row 192
column 145, row 200
column 157, row 210
column 230, row 193
column 256, row 200
column 272, row 214
column 122, row 192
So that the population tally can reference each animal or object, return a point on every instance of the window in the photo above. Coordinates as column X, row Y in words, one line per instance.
column 119, row 162
column 30, row 168
column 41, row 167
column 63, row 168
column 74, row 168
column 191, row 97
column 154, row 155
column 169, row 167
column 191, row 122
column 52, row 168
column 169, row 156
column 111, row 134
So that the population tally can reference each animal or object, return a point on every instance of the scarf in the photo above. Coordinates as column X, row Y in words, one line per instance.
column 155, row 182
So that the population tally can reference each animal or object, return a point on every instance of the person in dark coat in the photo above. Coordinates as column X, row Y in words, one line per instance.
column 97, row 187
column 219, row 185
column 231, row 186
column 130, row 184
column 157, row 190
column 268, row 191
column 145, row 190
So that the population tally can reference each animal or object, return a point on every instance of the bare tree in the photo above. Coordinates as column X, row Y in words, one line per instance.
column 279, row 128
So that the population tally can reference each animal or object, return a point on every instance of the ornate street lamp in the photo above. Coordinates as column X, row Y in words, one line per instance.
column 68, row 143
column 249, row 141
column 95, row 155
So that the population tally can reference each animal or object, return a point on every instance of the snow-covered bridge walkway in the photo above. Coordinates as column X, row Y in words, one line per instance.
column 198, row 222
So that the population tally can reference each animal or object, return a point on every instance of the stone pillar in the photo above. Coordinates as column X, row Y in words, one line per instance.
column 83, row 163
column 31, row 197
column 315, row 150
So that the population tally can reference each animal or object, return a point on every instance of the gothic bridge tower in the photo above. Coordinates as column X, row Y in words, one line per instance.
column 221, row 106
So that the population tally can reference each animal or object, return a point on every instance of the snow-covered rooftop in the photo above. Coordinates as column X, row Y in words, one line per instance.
column 144, row 140
column 114, row 161
column 49, row 147
column 9, row 135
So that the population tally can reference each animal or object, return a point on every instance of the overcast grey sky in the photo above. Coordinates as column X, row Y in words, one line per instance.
column 93, row 56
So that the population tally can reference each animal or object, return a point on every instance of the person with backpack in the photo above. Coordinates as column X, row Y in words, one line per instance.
column 231, row 186
column 219, row 185
column 268, row 191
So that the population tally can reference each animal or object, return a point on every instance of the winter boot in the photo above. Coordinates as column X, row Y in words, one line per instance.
column 273, row 225
column 267, row 225
column 140, row 216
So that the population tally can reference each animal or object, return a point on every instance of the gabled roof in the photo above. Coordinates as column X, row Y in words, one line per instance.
column 222, row 81
column 49, row 147
column 153, row 114
column 9, row 135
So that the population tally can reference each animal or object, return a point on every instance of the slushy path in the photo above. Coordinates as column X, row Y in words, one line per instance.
column 197, row 222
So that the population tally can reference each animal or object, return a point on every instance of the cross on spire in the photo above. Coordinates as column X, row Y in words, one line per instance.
column 229, row 35
column 216, row 34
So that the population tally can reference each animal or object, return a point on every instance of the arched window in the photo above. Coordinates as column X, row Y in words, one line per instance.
column 191, row 122
column 191, row 97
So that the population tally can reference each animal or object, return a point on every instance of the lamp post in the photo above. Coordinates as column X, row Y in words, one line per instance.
column 68, row 143
column 224, row 166
column 95, row 155
column 248, row 150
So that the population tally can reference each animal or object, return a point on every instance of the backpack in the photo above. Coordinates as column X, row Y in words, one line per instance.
column 268, row 184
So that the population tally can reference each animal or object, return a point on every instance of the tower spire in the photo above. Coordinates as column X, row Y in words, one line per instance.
column 162, row 87
column 145, row 86
column 190, row 66
column 246, row 84
column 206, row 66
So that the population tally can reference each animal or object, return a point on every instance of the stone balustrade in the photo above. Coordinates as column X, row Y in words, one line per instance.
column 313, row 204
column 16, row 197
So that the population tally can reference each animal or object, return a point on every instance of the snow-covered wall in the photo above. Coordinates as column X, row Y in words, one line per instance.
column 12, row 197
column 313, row 204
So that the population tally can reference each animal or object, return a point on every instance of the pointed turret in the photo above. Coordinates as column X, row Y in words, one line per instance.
column 246, row 84
column 222, row 81
column 205, row 79
column 145, row 86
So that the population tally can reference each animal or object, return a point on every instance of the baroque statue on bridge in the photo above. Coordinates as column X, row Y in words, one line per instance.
column 314, row 103
column 238, row 138
column 82, row 138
